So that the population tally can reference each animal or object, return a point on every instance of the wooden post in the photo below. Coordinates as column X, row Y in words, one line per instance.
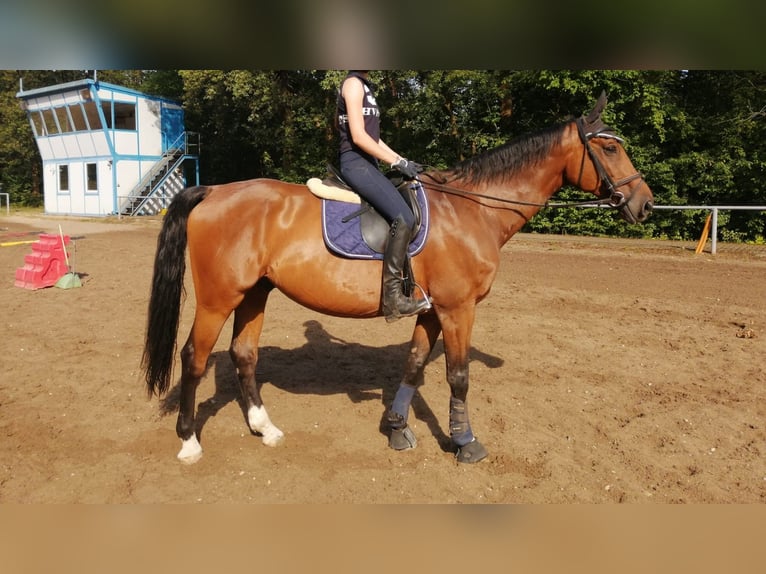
column 703, row 238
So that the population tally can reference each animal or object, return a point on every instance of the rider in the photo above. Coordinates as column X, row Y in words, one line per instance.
column 360, row 149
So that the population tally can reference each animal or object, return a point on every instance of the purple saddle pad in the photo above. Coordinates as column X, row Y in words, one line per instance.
column 346, row 239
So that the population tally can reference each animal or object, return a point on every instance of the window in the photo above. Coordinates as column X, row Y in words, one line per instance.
column 91, row 176
column 63, row 178
column 119, row 115
column 37, row 122
column 106, row 107
column 124, row 116
column 78, row 118
column 63, row 118
column 50, row 122
column 91, row 114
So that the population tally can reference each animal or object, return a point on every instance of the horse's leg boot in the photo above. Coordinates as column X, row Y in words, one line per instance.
column 395, row 304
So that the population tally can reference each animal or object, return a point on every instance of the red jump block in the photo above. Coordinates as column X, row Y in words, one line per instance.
column 45, row 265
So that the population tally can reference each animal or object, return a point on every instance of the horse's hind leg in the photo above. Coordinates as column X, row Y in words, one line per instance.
column 248, row 323
column 194, row 355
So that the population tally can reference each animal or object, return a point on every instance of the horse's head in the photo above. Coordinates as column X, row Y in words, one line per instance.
column 606, row 170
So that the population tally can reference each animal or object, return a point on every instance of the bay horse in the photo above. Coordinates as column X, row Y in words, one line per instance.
column 247, row 238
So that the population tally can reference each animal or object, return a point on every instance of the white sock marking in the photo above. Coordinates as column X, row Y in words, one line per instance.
column 191, row 451
column 259, row 421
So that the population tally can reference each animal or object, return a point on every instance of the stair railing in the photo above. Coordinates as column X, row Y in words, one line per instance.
column 158, row 174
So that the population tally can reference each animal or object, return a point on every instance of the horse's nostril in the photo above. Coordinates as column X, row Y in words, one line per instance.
column 648, row 207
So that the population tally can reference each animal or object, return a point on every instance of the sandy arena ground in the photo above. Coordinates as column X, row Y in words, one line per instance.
column 602, row 371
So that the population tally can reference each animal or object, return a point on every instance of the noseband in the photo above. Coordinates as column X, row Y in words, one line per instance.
column 617, row 199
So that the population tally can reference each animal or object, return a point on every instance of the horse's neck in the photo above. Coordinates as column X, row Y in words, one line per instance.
column 537, row 183
column 521, row 196
column 506, row 202
column 511, row 217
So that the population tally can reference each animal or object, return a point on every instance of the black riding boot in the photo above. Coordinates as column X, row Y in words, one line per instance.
column 395, row 304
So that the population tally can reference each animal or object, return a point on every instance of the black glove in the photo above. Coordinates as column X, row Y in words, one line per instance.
column 408, row 169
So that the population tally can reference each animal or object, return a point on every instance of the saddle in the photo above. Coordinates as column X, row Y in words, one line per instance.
column 372, row 226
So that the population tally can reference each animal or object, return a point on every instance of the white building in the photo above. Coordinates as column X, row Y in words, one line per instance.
column 109, row 150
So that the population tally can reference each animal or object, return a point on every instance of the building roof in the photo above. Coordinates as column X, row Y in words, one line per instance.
column 86, row 83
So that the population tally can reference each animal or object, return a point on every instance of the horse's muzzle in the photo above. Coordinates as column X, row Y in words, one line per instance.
column 638, row 206
column 636, row 210
column 646, row 210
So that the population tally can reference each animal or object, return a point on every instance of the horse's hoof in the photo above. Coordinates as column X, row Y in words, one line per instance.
column 191, row 451
column 402, row 439
column 474, row 451
column 190, row 459
column 273, row 437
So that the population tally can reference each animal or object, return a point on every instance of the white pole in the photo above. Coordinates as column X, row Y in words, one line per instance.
column 713, row 247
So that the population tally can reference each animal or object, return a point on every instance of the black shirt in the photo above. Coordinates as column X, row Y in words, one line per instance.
column 371, row 114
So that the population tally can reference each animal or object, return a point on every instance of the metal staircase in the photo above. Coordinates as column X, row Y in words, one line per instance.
column 164, row 181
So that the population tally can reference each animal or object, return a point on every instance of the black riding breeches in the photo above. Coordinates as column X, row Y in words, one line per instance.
column 375, row 188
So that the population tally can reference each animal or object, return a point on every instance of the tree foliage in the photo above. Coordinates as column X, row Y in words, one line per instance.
column 697, row 135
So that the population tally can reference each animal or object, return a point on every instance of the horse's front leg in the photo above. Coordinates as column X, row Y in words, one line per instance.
column 457, row 329
column 424, row 338
column 248, row 324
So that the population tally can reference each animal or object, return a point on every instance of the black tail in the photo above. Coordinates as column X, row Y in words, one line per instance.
column 167, row 288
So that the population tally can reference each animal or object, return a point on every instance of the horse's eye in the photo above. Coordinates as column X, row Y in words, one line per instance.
column 610, row 149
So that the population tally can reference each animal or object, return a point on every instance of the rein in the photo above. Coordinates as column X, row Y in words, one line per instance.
column 616, row 199
column 443, row 187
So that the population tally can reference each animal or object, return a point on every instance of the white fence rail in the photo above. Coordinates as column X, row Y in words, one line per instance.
column 714, row 219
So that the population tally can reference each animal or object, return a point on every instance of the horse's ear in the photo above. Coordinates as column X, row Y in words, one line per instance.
column 595, row 113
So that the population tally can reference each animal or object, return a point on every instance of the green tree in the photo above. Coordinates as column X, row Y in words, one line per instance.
column 20, row 163
column 722, row 157
column 259, row 123
column 698, row 137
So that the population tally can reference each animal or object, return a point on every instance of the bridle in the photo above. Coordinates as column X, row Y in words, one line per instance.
column 615, row 200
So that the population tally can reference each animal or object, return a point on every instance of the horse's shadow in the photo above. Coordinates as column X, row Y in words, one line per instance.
column 324, row 365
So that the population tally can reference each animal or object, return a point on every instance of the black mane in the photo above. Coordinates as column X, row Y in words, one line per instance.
column 500, row 163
